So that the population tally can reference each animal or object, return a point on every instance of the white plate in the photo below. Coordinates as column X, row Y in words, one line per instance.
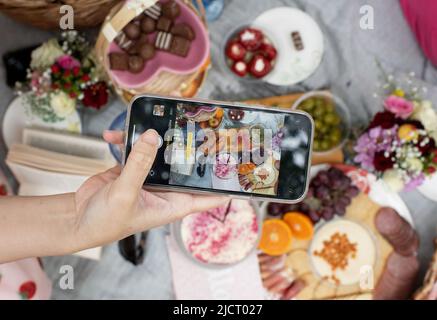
column 292, row 66
column 16, row 119
column 429, row 188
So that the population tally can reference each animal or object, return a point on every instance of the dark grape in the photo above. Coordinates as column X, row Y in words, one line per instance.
column 340, row 209
column 314, row 216
column 328, row 213
column 304, row 207
column 316, row 182
column 323, row 177
column 352, row 191
column 322, row 192
column 330, row 193
column 327, row 203
column 274, row 209
column 345, row 201
column 290, row 207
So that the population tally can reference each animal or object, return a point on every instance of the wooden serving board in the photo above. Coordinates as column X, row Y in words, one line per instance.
column 286, row 102
column 362, row 210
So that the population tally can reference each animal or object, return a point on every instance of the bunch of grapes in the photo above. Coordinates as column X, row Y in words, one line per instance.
column 330, row 193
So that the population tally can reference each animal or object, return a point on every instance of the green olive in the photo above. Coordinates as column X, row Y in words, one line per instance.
column 325, row 145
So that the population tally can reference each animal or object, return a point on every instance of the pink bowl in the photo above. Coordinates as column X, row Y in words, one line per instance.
column 164, row 61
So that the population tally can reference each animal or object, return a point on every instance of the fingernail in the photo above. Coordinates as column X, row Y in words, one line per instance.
column 150, row 137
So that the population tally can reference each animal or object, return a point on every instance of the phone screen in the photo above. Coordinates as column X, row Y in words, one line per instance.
column 223, row 148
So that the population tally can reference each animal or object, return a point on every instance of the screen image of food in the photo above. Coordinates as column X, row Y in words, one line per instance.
column 226, row 148
column 240, row 149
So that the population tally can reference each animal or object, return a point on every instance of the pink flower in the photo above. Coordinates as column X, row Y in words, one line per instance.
column 67, row 62
column 401, row 107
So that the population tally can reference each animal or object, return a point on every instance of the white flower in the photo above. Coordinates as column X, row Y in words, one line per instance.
column 393, row 179
column 414, row 164
column 425, row 113
column 62, row 104
column 45, row 55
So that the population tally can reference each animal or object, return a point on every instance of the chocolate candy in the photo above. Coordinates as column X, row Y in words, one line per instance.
column 135, row 47
column 136, row 64
column 171, row 9
column 164, row 24
column 148, row 25
column 147, row 51
column 154, row 11
column 163, row 40
column 123, row 41
column 297, row 40
column 183, row 30
column 118, row 61
column 180, row 46
column 132, row 30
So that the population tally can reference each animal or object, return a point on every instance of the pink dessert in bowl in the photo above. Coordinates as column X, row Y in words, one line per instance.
column 221, row 236
column 225, row 166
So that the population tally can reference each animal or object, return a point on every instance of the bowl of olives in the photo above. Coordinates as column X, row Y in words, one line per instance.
column 331, row 119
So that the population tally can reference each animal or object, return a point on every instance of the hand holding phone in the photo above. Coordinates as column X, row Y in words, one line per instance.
column 217, row 147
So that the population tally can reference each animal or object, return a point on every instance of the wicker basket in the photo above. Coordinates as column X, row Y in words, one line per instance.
column 45, row 13
column 164, row 83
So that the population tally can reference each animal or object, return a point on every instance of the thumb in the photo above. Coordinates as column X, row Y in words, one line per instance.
column 139, row 162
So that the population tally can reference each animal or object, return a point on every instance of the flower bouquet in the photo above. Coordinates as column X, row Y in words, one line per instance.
column 63, row 75
column 399, row 145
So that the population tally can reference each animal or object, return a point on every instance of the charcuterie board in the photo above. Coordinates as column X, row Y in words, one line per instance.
column 370, row 249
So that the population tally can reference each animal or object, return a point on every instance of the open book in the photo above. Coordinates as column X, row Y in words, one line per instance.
column 50, row 162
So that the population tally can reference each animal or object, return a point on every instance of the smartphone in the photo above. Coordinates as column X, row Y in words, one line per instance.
column 220, row 147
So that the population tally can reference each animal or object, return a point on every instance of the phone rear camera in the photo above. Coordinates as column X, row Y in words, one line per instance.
column 158, row 110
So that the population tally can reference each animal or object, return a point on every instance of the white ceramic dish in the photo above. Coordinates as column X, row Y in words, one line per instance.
column 291, row 66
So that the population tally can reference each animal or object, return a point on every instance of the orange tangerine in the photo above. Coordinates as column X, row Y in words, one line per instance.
column 276, row 237
column 300, row 225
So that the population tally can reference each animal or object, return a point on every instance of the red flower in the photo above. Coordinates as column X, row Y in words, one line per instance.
column 95, row 95
column 382, row 163
column 85, row 78
column 55, row 86
column 427, row 148
column 385, row 120
column 431, row 170
column 73, row 95
column 55, row 69
column 435, row 157
column 3, row 191
column 67, row 73
column 76, row 71
column 67, row 85
column 27, row 290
